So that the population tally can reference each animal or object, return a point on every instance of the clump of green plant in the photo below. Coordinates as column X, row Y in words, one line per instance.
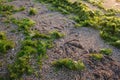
column 56, row 34
column 22, row 63
column 6, row 9
column 20, row 67
column 116, row 43
column 24, row 24
column 69, row 63
column 32, row 11
column 21, row 8
column 106, row 51
column 5, row 44
column 29, row 42
column 110, row 30
column 96, row 56
column 40, row 35
column 2, row 36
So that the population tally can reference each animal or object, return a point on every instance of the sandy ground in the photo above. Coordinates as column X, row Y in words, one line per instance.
column 88, row 40
column 111, row 4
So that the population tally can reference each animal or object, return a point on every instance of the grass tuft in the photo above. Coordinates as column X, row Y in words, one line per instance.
column 69, row 64
column 32, row 11
column 106, row 51
column 96, row 56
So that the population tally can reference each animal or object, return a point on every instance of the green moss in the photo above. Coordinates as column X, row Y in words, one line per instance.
column 40, row 35
column 20, row 67
column 22, row 63
column 42, row 49
column 106, row 51
column 56, row 34
column 5, row 44
column 6, row 9
column 116, row 43
column 22, row 8
column 69, row 63
column 24, row 23
column 2, row 36
column 32, row 11
column 29, row 42
column 96, row 56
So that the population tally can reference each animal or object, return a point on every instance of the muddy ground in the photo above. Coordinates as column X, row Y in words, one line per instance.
column 77, row 44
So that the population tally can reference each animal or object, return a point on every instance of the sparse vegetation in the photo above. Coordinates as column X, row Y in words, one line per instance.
column 69, row 64
column 34, row 44
column 107, row 23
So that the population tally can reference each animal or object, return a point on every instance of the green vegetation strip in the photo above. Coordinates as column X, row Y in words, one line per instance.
column 69, row 64
column 107, row 23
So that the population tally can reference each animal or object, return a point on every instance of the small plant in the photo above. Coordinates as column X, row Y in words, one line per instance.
column 42, row 47
column 96, row 56
column 2, row 36
column 39, row 35
column 24, row 24
column 22, row 63
column 5, row 44
column 6, row 9
column 77, row 25
column 33, row 11
column 20, row 67
column 56, row 34
column 20, row 9
column 116, row 43
column 69, row 63
column 29, row 42
column 106, row 51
